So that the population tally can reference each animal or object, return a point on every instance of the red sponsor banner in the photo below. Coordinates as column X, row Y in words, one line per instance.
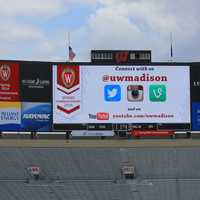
column 68, row 76
column 9, row 81
column 139, row 133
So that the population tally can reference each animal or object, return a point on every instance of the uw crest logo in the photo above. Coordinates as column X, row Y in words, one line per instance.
column 5, row 72
column 68, row 77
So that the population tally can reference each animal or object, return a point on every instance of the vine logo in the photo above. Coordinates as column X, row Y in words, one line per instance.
column 157, row 93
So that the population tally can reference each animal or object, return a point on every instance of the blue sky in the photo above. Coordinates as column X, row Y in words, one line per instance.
column 37, row 30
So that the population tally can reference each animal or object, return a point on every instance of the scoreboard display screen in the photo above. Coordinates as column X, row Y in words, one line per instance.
column 121, row 95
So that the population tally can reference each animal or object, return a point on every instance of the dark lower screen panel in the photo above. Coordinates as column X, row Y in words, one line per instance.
column 115, row 127
column 66, row 127
column 105, row 127
column 135, row 126
column 180, row 127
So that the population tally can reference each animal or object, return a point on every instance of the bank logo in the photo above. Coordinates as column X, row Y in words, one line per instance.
column 157, row 93
column 5, row 72
column 112, row 93
column 35, row 83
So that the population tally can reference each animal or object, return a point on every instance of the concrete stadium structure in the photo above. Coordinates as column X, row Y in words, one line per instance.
column 85, row 172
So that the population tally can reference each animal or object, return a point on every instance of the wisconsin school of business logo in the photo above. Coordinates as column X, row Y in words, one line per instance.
column 112, row 93
column 5, row 72
column 68, row 77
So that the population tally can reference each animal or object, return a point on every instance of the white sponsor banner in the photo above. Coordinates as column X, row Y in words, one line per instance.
column 92, row 133
column 131, row 94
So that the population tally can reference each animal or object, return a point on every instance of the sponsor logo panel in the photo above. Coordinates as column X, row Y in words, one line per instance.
column 196, row 116
column 10, row 116
column 9, row 81
column 36, row 82
column 36, row 116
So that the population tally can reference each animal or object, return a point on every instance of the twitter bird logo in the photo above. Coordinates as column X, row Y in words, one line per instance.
column 112, row 93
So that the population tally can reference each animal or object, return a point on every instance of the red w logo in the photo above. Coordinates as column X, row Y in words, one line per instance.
column 68, row 77
column 121, row 56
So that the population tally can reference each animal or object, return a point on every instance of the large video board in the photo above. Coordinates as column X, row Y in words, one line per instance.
column 121, row 94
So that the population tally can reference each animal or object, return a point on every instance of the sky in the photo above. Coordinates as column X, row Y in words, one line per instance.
column 38, row 29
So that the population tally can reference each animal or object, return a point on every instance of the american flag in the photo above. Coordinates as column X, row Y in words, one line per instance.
column 71, row 53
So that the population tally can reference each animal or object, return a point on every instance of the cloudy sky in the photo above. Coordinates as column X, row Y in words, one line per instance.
column 38, row 29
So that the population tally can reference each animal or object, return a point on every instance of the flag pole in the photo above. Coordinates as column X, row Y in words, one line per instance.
column 171, row 48
column 68, row 45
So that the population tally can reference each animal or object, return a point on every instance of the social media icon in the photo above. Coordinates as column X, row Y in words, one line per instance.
column 157, row 93
column 135, row 93
column 102, row 116
column 112, row 93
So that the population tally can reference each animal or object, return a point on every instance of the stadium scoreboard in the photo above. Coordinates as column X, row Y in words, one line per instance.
column 45, row 96
column 120, row 57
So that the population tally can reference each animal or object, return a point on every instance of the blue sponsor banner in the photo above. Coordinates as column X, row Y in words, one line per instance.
column 36, row 116
column 10, row 116
column 196, row 116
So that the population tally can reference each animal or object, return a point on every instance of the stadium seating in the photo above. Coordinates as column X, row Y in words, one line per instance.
column 94, row 174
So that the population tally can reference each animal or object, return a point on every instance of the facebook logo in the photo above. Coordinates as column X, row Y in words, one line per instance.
column 112, row 93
